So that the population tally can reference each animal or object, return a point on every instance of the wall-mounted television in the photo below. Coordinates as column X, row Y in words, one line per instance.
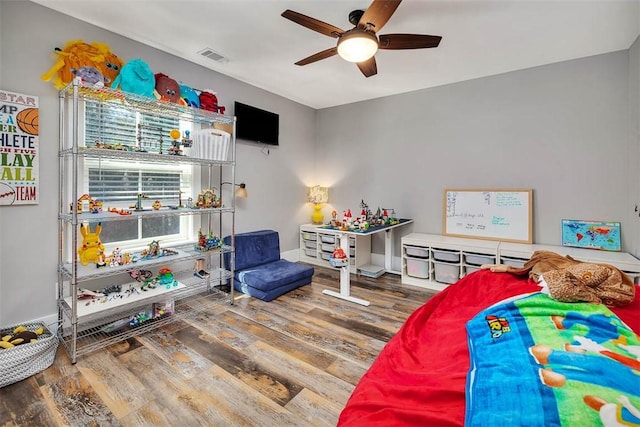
column 254, row 124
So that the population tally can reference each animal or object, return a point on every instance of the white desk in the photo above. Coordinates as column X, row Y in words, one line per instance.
column 345, row 280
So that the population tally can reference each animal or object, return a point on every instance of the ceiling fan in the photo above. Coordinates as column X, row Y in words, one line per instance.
column 360, row 43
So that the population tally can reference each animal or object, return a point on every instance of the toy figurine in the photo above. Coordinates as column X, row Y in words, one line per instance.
column 175, row 149
column 165, row 277
column 138, row 205
column 91, row 247
column 199, row 269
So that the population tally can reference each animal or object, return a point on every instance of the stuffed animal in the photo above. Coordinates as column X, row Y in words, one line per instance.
column 136, row 77
column 20, row 335
column 78, row 57
column 189, row 96
column 209, row 101
column 570, row 280
column 167, row 89
column 112, row 64
column 90, row 76
column 91, row 247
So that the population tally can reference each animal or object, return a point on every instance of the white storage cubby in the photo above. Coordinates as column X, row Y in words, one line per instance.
column 323, row 242
column 449, row 258
column 446, row 259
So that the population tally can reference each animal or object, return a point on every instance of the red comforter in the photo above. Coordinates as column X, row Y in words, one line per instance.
column 419, row 377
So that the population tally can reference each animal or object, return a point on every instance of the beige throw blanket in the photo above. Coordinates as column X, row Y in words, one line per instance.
column 570, row 280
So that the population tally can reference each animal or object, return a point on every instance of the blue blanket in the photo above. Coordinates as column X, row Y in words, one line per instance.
column 536, row 361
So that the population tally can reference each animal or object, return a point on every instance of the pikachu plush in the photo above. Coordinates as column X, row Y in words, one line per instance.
column 91, row 247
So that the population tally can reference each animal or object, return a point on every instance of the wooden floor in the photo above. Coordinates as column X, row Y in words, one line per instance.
column 290, row 362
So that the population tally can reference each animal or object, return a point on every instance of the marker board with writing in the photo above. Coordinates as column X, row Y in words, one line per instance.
column 492, row 214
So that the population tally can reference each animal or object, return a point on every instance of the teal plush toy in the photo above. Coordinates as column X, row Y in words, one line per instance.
column 136, row 77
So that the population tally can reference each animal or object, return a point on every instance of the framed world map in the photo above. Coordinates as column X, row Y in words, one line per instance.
column 591, row 234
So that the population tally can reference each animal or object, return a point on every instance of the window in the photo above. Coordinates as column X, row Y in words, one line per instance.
column 129, row 184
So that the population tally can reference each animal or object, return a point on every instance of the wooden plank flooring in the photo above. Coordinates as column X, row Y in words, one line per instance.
column 290, row 362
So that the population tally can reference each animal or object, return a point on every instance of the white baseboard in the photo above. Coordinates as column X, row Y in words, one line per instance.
column 293, row 255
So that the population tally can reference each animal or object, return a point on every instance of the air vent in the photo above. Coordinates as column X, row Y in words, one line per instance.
column 211, row 54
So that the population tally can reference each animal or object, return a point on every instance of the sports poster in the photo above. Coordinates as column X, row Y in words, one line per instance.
column 19, row 145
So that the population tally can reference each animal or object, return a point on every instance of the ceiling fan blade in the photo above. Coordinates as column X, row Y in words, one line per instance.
column 318, row 56
column 407, row 41
column 368, row 67
column 378, row 14
column 313, row 24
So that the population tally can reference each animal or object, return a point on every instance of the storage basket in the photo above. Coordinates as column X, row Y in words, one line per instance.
column 24, row 360
column 446, row 255
column 417, row 267
column 446, row 273
column 479, row 259
column 212, row 144
column 417, row 251
column 328, row 239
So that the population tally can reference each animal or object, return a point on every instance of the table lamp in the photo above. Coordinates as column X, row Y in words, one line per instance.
column 317, row 195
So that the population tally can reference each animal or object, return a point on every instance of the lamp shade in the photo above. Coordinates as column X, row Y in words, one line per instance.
column 317, row 194
column 242, row 190
column 357, row 45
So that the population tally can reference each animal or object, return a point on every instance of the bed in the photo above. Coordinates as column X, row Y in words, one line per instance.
column 488, row 351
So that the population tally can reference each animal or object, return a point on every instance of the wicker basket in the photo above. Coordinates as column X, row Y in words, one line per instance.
column 24, row 360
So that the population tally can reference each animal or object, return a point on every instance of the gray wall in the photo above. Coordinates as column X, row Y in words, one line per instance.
column 634, row 147
column 564, row 130
column 28, row 234
column 561, row 129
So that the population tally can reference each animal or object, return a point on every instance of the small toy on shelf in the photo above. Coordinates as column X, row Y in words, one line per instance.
column 175, row 149
column 138, row 205
column 118, row 258
column 207, row 199
column 140, row 275
column 163, row 309
column 165, row 277
column 92, row 205
column 200, row 269
column 123, row 212
column 186, row 139
column 153, row 250
column 91, row 244
column 208, row 242
column 156, row 205
column 140, row 318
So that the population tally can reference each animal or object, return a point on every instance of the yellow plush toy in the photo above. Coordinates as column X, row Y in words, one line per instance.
column 91, row 247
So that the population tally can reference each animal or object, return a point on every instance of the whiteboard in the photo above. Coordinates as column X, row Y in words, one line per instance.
column 493, row 214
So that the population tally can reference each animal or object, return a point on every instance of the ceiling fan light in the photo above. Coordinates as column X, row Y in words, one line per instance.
column 357, row 45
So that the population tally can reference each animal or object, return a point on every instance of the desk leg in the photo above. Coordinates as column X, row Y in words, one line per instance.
column 345, row 279
column 388, row 250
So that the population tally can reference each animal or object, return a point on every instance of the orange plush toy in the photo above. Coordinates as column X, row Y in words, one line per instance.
column 78, row 58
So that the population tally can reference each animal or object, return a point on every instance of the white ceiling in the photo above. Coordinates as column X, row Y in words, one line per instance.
column 479, row 38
